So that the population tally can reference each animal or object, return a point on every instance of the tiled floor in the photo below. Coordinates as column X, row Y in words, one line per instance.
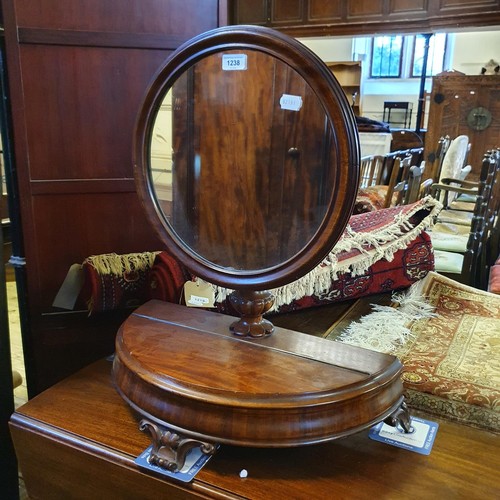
column 20, row 392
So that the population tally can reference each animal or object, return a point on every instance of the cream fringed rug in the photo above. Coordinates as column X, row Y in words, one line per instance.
column 447, row 335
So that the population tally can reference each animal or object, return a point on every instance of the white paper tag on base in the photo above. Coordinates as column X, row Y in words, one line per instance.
column 420, row 439
column 199, row 294
column 195, row 460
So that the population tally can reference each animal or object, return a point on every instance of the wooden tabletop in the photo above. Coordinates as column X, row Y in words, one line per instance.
column 85, row 412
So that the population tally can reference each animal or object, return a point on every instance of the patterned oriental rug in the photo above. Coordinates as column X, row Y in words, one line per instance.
column 114, row 281
column 451, row 357
column 379, row 251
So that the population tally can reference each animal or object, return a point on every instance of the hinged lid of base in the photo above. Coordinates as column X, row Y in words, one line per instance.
column 182, row 368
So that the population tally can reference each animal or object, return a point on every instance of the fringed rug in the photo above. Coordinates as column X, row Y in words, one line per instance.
column 392, row 235
column 115, row 281
column 447, row 335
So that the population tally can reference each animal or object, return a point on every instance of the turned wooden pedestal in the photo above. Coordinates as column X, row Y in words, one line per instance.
column 183, row 368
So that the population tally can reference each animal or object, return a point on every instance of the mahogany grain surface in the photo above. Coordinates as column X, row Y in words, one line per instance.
column 77, row 73
column 79, row 440
column 184, row 367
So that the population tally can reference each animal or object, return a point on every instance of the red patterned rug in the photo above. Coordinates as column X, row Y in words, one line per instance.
column 115, row 281
column 378, row 252
column 451, row 360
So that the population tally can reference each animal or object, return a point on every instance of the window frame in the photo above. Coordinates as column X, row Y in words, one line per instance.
column 412, row 63
column 401, row 58
column 407, row 60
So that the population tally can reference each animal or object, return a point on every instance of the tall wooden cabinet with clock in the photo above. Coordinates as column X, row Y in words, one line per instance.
column 464, row 105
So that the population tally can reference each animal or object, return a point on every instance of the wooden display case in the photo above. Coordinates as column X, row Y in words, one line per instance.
column 463, row 105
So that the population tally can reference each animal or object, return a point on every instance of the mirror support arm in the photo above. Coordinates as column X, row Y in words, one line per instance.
column 251, row 305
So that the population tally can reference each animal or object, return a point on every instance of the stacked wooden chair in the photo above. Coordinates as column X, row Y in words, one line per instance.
column 405, row 139
column 452, row 157
column 466, row 225
column 393, row 179
column 371, row 168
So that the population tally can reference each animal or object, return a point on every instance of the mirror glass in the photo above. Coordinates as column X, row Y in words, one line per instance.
column 243, row 160
column 246, row 157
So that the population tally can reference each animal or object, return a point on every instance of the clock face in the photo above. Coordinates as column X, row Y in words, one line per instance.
column 479, row 118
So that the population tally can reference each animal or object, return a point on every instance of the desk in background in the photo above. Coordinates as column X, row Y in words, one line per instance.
column 401, row 113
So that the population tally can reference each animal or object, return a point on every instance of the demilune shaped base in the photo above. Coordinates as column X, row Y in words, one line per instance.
column 183, row 369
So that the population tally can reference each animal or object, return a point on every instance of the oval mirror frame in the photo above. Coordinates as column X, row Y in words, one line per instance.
column 341, row 120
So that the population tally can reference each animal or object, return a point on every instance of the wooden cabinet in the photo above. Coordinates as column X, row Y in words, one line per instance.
column 348, row 74
column 77, row 74
column 464, row 105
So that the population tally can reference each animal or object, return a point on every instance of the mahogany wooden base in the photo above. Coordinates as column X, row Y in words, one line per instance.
column 251, row 305
column 79, row 440
column 183, row 369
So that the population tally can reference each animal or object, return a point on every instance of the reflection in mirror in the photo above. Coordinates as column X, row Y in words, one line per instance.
column 243, row 160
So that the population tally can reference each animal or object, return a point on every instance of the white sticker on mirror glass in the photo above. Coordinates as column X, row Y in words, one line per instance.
column 234, row 62
column 291, row 102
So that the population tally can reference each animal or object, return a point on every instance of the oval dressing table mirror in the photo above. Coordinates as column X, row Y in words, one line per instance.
column 262, row 171
column 256, row 187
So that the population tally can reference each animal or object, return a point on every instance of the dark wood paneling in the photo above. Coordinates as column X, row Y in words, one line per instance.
column 78, row 71
column 69, row 92
column 287, row 11
column 71, row 227
column 80, row 186
column 100, row 39
column 71, row 340
column 356, row 17
column 172, row 17
column 252, row 11
column 325, row 10
column 408, row 6
column 364, row 8
column 453, row 5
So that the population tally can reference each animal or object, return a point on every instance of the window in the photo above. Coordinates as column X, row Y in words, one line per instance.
column 387, row 54
column 397, row 56
column 435, row 59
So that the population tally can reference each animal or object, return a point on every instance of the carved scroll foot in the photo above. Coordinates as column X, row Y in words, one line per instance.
column 402, row 417
column 251, row 306
column 169, row 449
